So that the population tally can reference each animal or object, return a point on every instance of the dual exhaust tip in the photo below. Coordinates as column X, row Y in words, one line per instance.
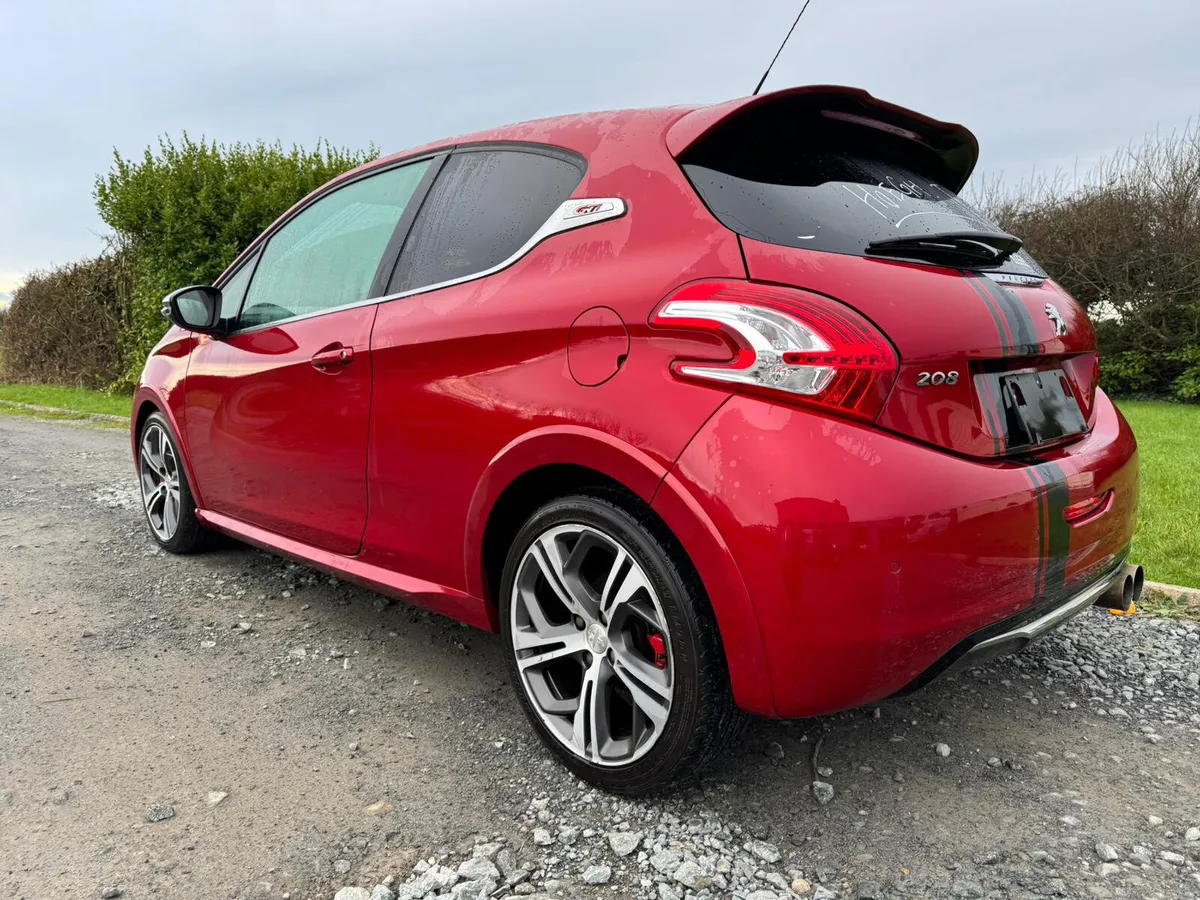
column 1125, row 590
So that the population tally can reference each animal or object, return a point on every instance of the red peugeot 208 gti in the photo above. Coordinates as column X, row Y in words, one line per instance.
column 738, row 408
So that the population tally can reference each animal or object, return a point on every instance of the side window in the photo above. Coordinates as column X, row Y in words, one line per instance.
column 234, row 290
column 327, row 255
column 484, row 206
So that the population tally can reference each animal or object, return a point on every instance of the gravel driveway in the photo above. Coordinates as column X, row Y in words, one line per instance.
column 230, row 725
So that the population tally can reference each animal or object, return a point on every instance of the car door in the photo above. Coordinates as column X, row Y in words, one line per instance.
column 276, row 408
column 452, row 337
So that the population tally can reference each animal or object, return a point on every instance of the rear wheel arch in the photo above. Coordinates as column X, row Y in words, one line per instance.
column 528, row 493
column 563, row 457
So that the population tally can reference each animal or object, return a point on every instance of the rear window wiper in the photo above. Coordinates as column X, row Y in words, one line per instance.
column 980, row 248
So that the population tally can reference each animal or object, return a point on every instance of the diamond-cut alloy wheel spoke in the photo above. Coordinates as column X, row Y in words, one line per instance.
column 159, row 477
column 561, row 573
column 649, row 687
column 581, row 612
column 535, row 649
column 589, row 727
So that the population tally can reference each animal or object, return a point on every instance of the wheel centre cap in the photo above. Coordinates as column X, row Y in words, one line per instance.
column 597, row 638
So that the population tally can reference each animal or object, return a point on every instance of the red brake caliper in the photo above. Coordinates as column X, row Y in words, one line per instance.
column 659, row 646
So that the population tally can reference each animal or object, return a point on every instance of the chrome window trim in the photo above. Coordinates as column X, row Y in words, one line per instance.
column 571, row 214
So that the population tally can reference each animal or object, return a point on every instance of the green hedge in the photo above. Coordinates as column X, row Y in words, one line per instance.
column 64, row 325
column 1125, row 242
column 185, row 210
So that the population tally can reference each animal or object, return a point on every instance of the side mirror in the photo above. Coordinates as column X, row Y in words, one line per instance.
column 196, row 308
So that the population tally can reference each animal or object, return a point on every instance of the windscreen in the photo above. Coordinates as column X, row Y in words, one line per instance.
column 824, row 183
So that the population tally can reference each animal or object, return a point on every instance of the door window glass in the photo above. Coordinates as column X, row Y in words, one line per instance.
column 326, row 257
column 234, row 290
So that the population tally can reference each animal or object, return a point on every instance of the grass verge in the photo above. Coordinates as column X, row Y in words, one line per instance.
column 61, row 415
column 79, row 400
column 1167, row 543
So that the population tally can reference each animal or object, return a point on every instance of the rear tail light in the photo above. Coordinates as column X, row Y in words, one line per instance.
column 788, row 343
column 1090, row 508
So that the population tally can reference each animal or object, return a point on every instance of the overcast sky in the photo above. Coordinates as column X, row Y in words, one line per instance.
column 1043, row 83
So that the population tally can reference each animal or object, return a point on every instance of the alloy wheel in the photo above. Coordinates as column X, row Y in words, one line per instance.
column 592, row 645
column 158, row 471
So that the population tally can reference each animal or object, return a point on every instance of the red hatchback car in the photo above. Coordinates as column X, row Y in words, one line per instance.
column 738, row 408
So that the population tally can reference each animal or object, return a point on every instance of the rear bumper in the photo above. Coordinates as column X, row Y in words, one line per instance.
column 867, row 559
column 1014, row 634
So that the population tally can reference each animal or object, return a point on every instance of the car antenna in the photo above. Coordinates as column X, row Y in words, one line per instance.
column 762, row 80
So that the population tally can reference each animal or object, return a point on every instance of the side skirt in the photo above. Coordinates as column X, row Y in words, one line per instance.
column 435, row 597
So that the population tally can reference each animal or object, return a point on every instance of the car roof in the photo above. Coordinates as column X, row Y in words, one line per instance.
column 675, row 127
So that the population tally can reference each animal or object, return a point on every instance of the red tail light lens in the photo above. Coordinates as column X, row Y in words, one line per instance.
column 1090, row 508
column 788, row 343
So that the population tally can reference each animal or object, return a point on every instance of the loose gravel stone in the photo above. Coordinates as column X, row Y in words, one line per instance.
column 823, row 792
column 1192, row 834
column 1107, row 852
column 666, row 861
column 352, row 893
column 542, row 837
column 471, row 890
column 690, row 875
column 160, row 812
column 624, row 842
column 597, row 875
column 110, row 893
column 768, row 853
column 942, row 750
column 1106, row 869
column 382, row 892
column 477, row 868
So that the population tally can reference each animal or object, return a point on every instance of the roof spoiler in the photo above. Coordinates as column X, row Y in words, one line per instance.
column 955, row 144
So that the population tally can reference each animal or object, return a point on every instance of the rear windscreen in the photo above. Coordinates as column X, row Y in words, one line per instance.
column 821, row 183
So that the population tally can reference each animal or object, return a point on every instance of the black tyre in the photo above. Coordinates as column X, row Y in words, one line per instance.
column 613, row 647
column 166, row 495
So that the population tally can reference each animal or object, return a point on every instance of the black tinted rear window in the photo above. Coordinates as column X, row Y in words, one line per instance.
column 830, row 184
column 484, row 206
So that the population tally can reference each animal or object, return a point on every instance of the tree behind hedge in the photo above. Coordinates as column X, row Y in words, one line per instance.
column 1126, row 243
column 64, row 324
column 184, row 212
